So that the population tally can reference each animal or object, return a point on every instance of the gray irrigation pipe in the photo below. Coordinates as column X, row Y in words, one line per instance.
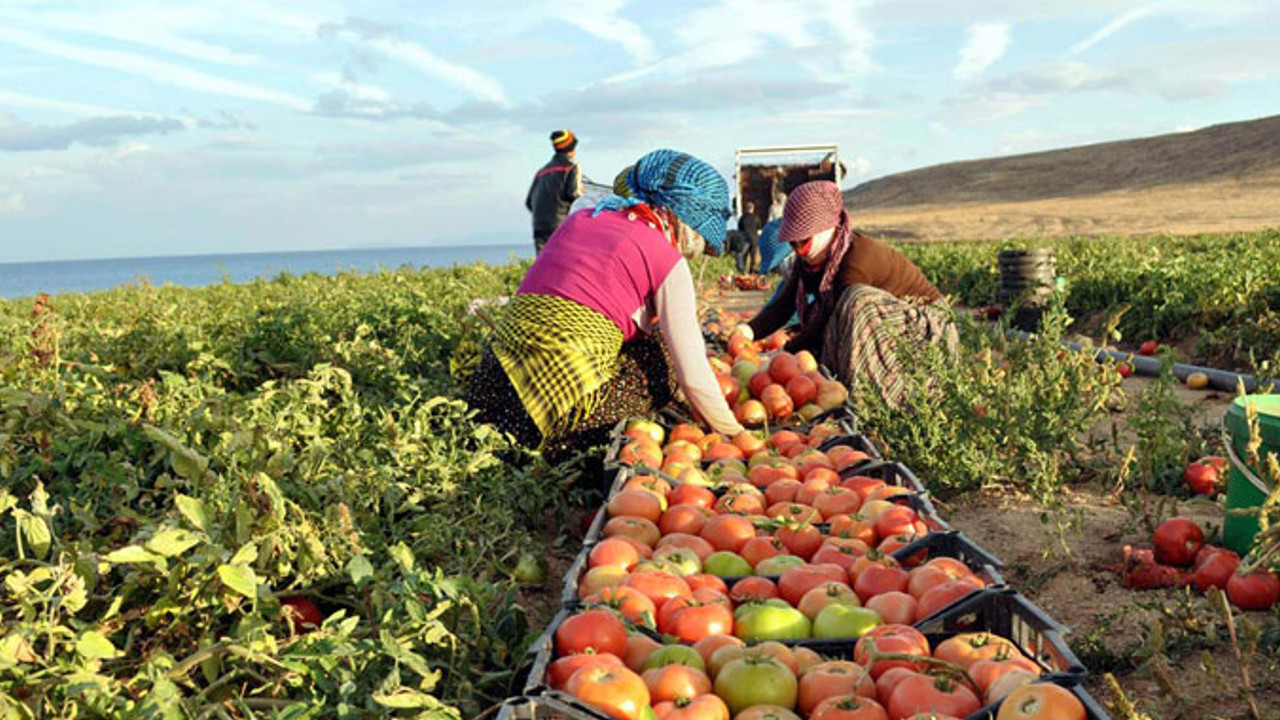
column 1145, row 365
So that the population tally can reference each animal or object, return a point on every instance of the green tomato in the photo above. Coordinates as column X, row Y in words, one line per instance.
column 682, row 561
column 770, row 622
column 756, row 681
column 777, row 564
column 844, row 621
column 749, row 607
column 723, row 563
column 674, row 655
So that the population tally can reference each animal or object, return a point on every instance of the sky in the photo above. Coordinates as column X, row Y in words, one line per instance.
column 159, row 127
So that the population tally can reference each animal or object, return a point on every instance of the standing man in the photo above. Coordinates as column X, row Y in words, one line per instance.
column 749, row 226
column 554, row 188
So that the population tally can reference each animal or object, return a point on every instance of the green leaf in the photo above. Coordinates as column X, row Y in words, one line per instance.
column 172, row 542
column 132, row 554
column 402, row 555
column 14, row 649
column 195, row 511
column 247, row 554
column 186, row 462
column 360, row 569
column 240, row 578
column 95, row 646
column 272, row 491
column 35, row 532
column 405, row 698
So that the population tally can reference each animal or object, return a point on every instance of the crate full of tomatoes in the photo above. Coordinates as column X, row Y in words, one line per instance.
column 994, row 655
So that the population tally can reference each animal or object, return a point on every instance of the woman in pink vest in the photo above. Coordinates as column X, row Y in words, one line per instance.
column 577, row 349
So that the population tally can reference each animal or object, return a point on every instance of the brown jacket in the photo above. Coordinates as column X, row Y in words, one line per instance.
column 867, row 262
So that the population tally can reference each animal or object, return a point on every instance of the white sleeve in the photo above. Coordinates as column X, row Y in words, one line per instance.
column 677, row 307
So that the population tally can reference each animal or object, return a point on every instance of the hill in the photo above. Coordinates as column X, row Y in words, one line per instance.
column 1220, row 178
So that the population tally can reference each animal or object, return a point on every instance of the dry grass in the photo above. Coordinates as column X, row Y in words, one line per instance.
column 1220, row 206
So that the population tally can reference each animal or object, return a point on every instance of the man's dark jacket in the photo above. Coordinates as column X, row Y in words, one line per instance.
column 553, row 190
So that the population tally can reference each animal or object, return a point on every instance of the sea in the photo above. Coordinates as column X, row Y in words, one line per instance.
column 31, row 278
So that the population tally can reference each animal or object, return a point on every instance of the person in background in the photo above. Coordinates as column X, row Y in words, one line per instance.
column 581, row 345
column 866, row 296
column 776, row 209
column 775, row 255
column 749, row 226
column 736, row 244
column 554, row 188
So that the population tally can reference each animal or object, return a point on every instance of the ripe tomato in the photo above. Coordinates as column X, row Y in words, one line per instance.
column 304, row 613
column 890, row 639
column 825, row 594
column 802, row 540
column 644, row 531
column 986, row 672
column 942, row 596
column 629, row 602
column 697, row 621
column 687, row 519
column 658, row 586
column 1148, row 347
column 1177, row 541
column 700, row 581
column 837, row 501
column 878, row 579
column 966, row 649
column 766, row 712
column 1259, row 590
column 619, row 692
column 754, row 680
column 1203, row 476
column 635, row 503
column 674, row 681
column 849, row 707
column 1125, row 369
column 898, row 520
column 708, row 645
column 559, row 672
column 593, row 630
column 798, row 580
column 700, row 547
column 926, row 693
column 728, row 532
column 702, row 707
column 896, row 608
column 1042, row 701
column 834, row 678
column 615, row 552
column 753, row 588
column 1215, row 569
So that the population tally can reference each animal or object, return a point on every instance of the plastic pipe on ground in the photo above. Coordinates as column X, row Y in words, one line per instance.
column 1145, row 365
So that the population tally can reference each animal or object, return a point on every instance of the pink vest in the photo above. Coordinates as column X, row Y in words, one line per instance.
column 608, row 263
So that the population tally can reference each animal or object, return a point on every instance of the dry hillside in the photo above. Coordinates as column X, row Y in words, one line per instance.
column 1221, row 178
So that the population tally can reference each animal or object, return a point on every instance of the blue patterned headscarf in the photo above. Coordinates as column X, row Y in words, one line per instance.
column 772, row 250
column 683, row 184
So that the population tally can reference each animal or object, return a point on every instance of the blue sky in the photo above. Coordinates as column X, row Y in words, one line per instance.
column 144, row 127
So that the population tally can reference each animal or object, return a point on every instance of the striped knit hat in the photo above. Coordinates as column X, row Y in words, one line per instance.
column 683, row 184
column 811, row 208
column 564, row 140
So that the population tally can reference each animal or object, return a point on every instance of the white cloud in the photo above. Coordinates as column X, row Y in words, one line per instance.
column 153, row 69
column 600, row 19
column 1115, row 25
column 386, row 40
column 986, row 43
column 9, row 98
column 12, row 204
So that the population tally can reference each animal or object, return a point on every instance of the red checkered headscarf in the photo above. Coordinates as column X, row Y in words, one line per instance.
column 812, row 208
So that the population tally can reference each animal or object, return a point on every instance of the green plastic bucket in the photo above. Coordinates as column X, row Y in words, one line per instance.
column 1244, row 491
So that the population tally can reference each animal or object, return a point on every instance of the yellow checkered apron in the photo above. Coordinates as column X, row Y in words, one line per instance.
column 559, row 356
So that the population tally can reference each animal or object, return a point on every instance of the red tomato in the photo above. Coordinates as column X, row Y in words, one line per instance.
column 700, row 581
column 798, row 580
column 897, row 608
column 849, row 707
column 697, row 621
column 1125, row 369
column 942, row 596
column 966, row 649
column 1042, row 701
column 1203, row 476
column 801, row 540
column 986, row 672
column 702, row 707
column 728, row 532
column 834, row 678
column 753, row 588
column 898, row 520
column 1259, row 590
column 617, row 691
column 890, row 639
column 658, row 586
column 695, row 495
column 1148, row 347
column 559, row 672
column 675, row 681
column 925, row 693
column 1215, row 569
column 1177, row 541
column 878, row 579
column 593, row 630
column 305, row 614
column 615, row 552
column 629, row 602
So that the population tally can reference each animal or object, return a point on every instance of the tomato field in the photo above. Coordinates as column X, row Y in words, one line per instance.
column 192, row 478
